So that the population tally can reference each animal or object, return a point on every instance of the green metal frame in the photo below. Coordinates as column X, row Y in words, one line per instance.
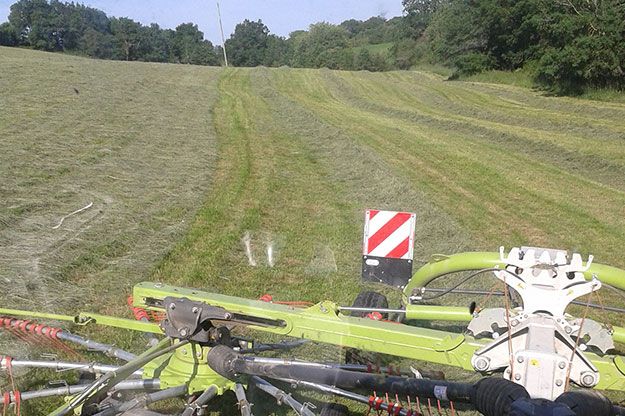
column 324, row 323
column 441, row 265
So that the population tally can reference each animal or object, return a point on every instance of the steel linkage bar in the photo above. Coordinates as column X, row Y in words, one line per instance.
column 148, row 384
column 244, row 405
column 60, row 366
column 208, row 394
column 144, row 400
column 282, row 397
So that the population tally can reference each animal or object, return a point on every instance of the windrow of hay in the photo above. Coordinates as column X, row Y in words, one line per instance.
column 133, row 144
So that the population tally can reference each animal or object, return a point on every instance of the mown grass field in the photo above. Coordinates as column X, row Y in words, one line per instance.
column 185, row 164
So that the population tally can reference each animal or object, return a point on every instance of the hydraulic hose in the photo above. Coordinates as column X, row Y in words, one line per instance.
column 490, row 396
column 228, row 363
column 589, row 402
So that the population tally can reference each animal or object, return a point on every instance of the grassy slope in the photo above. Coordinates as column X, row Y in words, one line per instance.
column 286, row 179
column 301, row 154
column 304, row 152
column 136, row 140
column 523, row 78
column 511, row 167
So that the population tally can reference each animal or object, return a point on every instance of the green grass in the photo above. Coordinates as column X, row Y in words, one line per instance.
column 184, row 164
column 519, row 78
column 442, row 70
column 136, row 140
column 523, row 78
column 381, row 48
column 604, row 94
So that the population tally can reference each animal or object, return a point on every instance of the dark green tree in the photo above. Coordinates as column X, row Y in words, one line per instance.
column 97, row 44
column 7, row 35
column 247, row 46
column 368, row 61
column 322, row 46
column 419, row 13
column 583, row 44
column 37, row 24
column 185, row 40
column 457, row 36
column 154, row 44
column 189, row 46
column 127, row 37
column 277, row 52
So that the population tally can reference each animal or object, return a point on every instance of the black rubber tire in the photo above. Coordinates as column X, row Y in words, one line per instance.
column 366, row 299
column 334, row 409
column 369, row 299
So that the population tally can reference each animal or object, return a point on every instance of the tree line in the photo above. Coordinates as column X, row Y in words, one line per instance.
column 78, row 29
column 566, row 45
column 52, row 25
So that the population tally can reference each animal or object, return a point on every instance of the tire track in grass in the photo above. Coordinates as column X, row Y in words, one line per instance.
column 284, row 175
column 269, row 187
column 367, row 180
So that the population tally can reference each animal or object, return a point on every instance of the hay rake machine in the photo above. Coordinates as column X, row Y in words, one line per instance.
column 531, row 355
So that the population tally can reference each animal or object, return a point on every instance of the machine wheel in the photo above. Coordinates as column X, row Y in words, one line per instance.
column 369, row 299
column 366, row 299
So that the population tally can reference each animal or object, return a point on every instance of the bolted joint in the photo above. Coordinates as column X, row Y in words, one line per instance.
column 481, row 363
column 588, row 379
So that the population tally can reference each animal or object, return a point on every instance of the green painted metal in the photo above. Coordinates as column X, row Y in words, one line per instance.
column 85, row 318
column 441, row 265
column 324, row 323
column 438, row 313
column 618, row 334
column 176, row 369
column 162, row 344
column 460, row 314
column 32, row 314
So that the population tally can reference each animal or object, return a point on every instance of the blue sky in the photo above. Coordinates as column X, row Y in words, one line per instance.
column 281, row 16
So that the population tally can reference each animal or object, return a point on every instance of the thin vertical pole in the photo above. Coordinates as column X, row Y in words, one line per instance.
column 223, row 41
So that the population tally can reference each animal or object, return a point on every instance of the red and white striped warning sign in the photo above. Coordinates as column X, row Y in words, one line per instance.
column 389, row 234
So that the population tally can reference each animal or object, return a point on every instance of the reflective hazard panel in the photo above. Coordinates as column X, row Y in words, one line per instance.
column 388, row 247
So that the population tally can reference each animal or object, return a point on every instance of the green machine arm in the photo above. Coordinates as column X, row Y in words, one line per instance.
column 441, row 265
column 324, row 323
